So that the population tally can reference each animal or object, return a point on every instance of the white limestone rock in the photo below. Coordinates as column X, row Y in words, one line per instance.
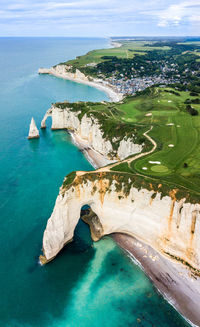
column 170, row 226
column 89, row 129
column 33, row 131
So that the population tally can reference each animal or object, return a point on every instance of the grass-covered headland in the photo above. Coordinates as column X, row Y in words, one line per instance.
column 169, row 110
column 175, row 164
column 159, row 62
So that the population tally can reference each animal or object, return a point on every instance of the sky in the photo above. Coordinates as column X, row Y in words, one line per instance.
column 99, row 18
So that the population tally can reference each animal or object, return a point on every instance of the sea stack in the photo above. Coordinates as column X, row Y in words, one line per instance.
column 33, row 131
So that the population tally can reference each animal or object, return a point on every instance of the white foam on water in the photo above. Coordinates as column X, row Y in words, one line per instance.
column 166, row 297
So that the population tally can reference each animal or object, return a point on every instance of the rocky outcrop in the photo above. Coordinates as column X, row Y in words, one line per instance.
column 33, row 131
column 170, row 226
column 89, row 129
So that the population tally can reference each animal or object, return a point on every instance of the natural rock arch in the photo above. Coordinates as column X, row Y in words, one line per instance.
column 43, row 122
column 63, row 221
column 151, row 220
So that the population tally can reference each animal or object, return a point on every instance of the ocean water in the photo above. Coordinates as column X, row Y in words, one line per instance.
column 89, row 284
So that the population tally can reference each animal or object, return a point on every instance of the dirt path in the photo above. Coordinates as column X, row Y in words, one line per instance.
column 140, row 155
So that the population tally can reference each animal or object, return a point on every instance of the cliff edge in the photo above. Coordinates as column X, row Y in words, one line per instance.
column 169, row 224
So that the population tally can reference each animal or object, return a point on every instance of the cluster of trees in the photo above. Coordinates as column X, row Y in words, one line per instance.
column 173, row 92
column 179, row 60
column 193, row 85
column 195, row 101
column 191, row 110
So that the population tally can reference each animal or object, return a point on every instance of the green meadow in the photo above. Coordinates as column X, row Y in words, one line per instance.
column 176, row 160
column 176, row 132
column 127, row 50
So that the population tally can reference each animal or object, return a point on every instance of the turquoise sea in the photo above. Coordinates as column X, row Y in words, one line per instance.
column 88, row 284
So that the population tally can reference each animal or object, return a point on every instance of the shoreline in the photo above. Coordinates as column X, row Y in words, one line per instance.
column 96, row 159
column 108, row 89
column 171, row 279
column 113, row 95
column 174, row 281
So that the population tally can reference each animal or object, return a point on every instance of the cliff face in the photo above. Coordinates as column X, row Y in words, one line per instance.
column 62, row 70
column 169, row 226
column 89, row 129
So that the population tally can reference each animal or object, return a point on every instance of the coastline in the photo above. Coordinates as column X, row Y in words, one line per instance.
column 174, row 281
column 108, row 89
column 96, row 159
column 171, row 279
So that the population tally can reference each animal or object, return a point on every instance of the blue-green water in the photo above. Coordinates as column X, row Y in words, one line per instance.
column 88, row 284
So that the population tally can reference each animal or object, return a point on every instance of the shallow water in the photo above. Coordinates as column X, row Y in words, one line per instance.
column 88, row 284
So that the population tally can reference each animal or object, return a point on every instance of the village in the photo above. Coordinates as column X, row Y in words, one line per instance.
column 133, row 85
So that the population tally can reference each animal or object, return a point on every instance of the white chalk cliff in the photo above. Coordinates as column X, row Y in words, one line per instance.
column 170, row 226
column 89, row 129
column 33, row 131
column 64, row 71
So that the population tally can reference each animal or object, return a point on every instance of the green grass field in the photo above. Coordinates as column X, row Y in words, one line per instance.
column 176, row 160
column 127, row 50
column 176, row 132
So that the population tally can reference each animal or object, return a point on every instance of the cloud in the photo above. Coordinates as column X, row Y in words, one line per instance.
column 96, row 17
column 176, row 14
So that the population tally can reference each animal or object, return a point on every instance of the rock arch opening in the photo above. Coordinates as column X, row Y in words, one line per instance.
column 43, row 122
column 95, row 225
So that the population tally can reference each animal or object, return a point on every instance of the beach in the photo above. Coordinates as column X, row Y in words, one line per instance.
column 72, row 290
column 95, row 158
column 174, row 281
column 98, row 84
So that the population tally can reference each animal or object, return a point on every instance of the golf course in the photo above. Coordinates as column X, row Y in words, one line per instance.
column 169, row 133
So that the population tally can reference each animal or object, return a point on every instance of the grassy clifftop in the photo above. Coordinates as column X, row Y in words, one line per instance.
column 176, row 161
column 127, row 50
column 124, row 181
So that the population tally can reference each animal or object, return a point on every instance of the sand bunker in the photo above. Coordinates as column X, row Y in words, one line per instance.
column 155, row 162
